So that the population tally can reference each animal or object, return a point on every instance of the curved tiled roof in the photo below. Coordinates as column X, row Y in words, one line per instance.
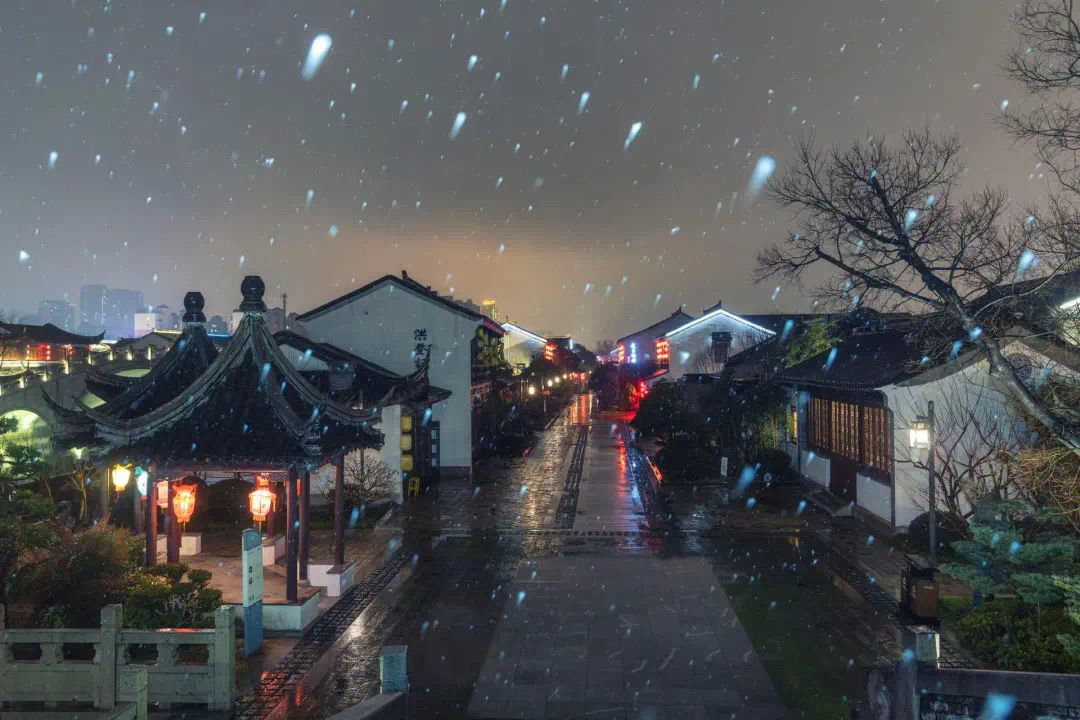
column 49, row 334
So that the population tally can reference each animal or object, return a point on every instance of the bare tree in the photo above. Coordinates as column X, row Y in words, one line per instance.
column 889, row 223
column 1046, row 63
column 366, row 480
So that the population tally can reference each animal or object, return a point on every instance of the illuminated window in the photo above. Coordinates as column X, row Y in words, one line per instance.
column 857, row 432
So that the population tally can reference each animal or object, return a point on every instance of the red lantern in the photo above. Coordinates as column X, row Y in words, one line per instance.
column 261, row 499
column 184, row 503
column 163, row 495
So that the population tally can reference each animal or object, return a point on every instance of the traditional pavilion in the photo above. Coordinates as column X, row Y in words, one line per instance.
column 250, row 411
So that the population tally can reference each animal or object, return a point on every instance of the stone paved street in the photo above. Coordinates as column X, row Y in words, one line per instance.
column 559, row 587
column 607, row 636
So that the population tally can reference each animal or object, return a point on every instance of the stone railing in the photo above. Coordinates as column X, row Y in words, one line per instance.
column 918, row 688
column 47, row 677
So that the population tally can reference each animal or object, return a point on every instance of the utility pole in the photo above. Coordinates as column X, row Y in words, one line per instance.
column 285, row 309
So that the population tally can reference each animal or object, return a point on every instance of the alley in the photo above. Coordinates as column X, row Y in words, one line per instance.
column 549, row 590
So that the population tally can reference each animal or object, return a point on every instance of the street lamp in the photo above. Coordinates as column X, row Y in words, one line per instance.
column 922, row 436
column 532, row 390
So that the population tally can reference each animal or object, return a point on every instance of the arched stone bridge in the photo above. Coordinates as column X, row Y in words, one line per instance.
column 23, row 399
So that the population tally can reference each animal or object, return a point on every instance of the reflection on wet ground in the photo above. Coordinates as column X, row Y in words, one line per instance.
column 508, row 616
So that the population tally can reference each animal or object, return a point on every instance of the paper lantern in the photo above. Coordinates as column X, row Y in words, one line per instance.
column 184, row 503
column 141, row 480
column 120, row 477
column 406, row 443
column 163, row 495
column 406, row 463
column 406, row 423
column 261, row 499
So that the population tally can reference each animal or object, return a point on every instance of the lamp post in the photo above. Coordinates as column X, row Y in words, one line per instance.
column 922, row 437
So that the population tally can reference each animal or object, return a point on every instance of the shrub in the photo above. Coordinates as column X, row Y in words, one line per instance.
column 98, row 562
column 773, row 461
column 950, row 528
column 1008, row 635
column 160, row 597
column 683, row 459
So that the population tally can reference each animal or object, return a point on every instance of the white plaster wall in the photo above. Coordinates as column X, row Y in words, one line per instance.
column 874, row 496
column 379, row 326
column 301, row 361
column 688, row 344
column 816, row 468
column 391, row 449
column 520, row 350
column 969, row 411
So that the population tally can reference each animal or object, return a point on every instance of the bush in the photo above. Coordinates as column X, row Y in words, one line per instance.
column 683, row 459
column 81, row 573
column 1008, row 635
column 950, row 528
column 160, row 597
column 773, row 461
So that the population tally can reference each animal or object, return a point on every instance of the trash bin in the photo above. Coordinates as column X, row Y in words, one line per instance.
column 920, row 591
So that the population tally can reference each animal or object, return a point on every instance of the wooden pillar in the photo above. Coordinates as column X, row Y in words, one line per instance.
column 136, row 506
column 172, row 530
column 271, row 520
column 291, row 536
column 339, row 509
column 103, row 492
column 305, row 523
column 150, row 522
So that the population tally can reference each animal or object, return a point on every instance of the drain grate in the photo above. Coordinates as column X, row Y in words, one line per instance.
column 281, row 681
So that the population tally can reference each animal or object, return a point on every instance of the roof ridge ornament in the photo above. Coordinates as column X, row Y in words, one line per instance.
column 252, row 289
column 193, row 308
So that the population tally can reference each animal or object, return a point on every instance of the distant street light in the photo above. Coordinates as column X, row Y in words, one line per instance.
column 532, row 390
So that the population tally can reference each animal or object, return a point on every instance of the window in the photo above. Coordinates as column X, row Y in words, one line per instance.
column 857, row 432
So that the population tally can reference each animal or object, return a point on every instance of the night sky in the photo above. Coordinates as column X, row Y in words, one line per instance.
column 187, row 144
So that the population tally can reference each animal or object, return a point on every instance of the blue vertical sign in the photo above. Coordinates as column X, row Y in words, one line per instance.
column 253, row 592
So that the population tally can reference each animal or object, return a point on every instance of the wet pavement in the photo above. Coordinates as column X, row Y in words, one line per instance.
column 558, row 585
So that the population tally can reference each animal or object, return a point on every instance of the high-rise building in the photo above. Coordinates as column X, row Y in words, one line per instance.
column 92, row 308
column 119, row 308
column 160, row 318
column 60, row 313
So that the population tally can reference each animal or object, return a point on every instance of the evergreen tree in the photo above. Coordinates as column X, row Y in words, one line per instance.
column 1013, row 549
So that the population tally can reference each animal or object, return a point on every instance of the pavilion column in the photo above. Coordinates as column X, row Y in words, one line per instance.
column 291, row 536
column 150, row 522
column 339, row 509
column 172, row 530
column 103, row 492
column 136, row 508
column 305, row 524
column 271, row 520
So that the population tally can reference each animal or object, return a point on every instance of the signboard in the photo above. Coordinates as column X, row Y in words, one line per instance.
column 252, row 592
column 933, row 706
column 723, row 467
